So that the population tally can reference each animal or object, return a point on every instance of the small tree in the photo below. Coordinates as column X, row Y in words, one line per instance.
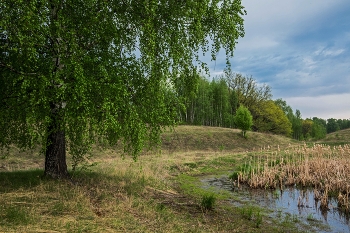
column 243, row 119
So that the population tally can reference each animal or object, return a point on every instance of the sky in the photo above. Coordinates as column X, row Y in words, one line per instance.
column 301, row 49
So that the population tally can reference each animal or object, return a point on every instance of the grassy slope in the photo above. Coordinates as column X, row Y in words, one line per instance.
column 158, row 193
column 201, row 138
column 337, row 138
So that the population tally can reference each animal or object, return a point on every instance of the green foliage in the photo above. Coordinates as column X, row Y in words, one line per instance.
column 234, row 175
column 247, row 212
column 307, row 126
column 103, row 70
column 271, row 118
column 297, row 124
column 248, row 92
column 215, row 104
column 243, row 119
column 319, row 129
column 208, row 201
column 310, row 217
column 244, row 168
column 221, row 147
column 288, row 111
column 258, row 220
column 295, row 119
column 343, row 123
column 332, row 125
column 212, row 104
column 251, row 213
column 315, row 128
column 276, row 194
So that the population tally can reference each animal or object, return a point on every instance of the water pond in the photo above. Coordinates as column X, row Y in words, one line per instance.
column 289, row 202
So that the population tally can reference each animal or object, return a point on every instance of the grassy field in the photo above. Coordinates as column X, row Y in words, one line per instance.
column 160, row 192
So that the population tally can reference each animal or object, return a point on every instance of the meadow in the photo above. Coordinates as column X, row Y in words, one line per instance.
column 160, row 192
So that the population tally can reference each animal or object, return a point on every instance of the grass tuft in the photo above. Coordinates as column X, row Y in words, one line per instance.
column 208, row 201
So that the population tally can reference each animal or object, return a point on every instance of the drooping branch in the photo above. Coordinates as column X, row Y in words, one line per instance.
column 10, row 68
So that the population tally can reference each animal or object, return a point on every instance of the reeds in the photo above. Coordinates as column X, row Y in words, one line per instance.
column 325, row 168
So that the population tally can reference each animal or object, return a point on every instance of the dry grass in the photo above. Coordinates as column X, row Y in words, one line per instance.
column 215, row 139
column 118, row 195
column 121, row 195
column 113, row 198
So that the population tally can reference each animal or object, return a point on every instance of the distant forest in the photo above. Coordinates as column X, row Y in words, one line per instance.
column 214, row 103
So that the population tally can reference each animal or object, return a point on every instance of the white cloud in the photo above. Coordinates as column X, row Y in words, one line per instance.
column 309, row 63
column 328, row 106
column 333, row 52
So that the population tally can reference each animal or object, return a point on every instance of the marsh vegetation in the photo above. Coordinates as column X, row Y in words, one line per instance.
column 324, row 168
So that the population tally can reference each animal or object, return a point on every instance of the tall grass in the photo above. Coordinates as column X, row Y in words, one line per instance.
column 325, row 168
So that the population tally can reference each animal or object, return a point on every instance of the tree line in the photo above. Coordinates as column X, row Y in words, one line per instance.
column 215, row 102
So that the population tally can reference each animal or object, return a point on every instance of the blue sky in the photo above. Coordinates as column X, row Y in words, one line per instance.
column 301, row 49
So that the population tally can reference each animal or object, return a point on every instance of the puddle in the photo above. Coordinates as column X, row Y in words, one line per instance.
column 286, row 202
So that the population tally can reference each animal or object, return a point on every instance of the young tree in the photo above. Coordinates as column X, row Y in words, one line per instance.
column 72, row 72
column 243, row 119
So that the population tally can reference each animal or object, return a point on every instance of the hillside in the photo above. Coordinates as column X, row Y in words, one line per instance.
column 340, row 137
column 204, row 138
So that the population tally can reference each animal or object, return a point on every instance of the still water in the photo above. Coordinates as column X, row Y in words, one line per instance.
column 291, row 201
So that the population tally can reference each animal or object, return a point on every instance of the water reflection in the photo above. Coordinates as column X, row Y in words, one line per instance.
column 291, row 200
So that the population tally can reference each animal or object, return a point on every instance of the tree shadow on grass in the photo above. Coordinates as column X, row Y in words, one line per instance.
column 14, row 180
column 133, row 182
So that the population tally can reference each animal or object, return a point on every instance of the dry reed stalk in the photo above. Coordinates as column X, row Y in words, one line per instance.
column 346, row 194
column 320, row 166
column 324, row 199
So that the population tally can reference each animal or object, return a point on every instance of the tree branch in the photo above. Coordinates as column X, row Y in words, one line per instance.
column 16, row 71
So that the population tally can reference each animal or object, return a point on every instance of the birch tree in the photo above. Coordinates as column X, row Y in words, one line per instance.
column 76, row 71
